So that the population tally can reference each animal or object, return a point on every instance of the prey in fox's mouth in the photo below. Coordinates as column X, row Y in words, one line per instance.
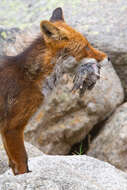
column 87, row 74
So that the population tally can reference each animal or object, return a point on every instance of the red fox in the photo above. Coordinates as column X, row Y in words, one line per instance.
column 21, row 76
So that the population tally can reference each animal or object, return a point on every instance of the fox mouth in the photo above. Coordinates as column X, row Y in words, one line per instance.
column 87, row 74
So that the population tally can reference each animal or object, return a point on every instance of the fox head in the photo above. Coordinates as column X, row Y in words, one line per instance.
column 58, row 35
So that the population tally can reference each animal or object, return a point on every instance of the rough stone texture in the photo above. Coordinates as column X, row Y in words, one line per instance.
column 102, row 22
column 31, row 151
column 7, row 37
column 111, row 144
column 66, row 173
column 65, row 119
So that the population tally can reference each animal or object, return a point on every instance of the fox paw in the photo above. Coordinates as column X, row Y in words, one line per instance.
column 86, row 76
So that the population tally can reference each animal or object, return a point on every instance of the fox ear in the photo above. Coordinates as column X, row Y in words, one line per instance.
column 57, row 15
column 51, row 32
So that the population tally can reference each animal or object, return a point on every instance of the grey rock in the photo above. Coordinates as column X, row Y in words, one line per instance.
column 66, row 173
column 7, row 37
column 65, row 119
column 111, row 143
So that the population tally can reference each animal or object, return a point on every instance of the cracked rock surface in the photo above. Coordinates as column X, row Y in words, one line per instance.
column 66, row 173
